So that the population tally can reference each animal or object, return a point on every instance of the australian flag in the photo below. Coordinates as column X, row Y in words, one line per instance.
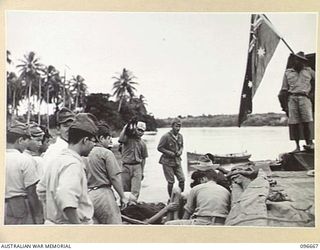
column 262, row 44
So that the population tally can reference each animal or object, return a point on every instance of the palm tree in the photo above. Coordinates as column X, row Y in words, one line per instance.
column 13, row 91
column 68, row 95
column 30, row 70
column 52, row 87
column 11, row 85
column 123, row 86
column 79, row 89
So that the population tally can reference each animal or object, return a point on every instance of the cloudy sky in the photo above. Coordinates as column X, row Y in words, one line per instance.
column 185, row 63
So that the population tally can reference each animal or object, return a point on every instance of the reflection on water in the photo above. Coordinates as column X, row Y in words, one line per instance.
column 264, row 143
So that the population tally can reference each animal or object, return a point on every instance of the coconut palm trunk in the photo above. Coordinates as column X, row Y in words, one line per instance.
column 48, row 107
column 14, row 101
column 76, row 105
column 14, row 109
column 29, row 102
column 39, row 98
column 64, row 88
column 120, row 104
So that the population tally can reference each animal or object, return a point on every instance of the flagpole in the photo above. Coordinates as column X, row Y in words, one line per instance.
column 281, row 38
column 287, row 45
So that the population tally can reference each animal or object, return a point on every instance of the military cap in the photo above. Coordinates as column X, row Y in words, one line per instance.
column 85, row 122
column 176, row 121
column 65, row 115
column 103, row 128
column 35, row 130
column 18, row 128
column 141, row 125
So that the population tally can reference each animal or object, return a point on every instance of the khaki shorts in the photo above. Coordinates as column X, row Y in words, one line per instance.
column 17, row 211
column 300, row 109
column 171, row 171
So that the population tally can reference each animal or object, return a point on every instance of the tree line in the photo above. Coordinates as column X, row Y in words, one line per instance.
column 268, row 119
column 36, row 83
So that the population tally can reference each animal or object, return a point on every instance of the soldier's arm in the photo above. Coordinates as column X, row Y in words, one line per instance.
column 72, row 215
column 162, row 147
column 123, row 137
column 35, row 205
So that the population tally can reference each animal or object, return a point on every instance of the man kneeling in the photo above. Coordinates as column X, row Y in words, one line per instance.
column 207, row 204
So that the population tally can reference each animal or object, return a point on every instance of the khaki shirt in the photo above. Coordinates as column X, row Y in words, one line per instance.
column 134, row 150
column 169, row 145
column 38, row 161
column 296, row 82
column 65, row 185
column 102, row 166
column 20, row 173
column 208, row 199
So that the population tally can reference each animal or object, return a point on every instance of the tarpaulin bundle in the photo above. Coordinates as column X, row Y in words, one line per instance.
column 143, row 211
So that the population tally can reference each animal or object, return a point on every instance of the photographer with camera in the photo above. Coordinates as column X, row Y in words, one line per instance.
column 133, row 155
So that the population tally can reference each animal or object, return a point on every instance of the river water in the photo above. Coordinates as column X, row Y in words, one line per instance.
column 263, row 143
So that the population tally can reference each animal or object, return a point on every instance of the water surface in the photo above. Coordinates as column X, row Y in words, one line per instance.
column 264, row 143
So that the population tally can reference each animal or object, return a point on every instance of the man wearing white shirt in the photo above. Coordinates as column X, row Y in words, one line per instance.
column 63, row 189
column 65, row 117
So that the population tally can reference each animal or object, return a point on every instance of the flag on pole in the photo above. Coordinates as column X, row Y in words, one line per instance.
column 262, row 44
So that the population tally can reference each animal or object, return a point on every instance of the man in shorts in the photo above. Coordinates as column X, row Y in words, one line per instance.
column 171, row 147
column 297, row 82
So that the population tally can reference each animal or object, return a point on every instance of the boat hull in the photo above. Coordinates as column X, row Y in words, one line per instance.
column 219, row 159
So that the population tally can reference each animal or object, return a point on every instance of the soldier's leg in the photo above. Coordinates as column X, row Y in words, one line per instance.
column 180, row 176
column 126, row 178
column 169, row 175
column 306, row 114
column 294, row 119
column 136, row 180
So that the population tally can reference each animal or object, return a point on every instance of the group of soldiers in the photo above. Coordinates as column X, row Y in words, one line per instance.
column 77, row 179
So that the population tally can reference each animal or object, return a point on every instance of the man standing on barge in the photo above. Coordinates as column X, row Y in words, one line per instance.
column 297, row 83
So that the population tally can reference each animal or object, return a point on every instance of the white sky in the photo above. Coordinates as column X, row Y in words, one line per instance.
column 185, row 63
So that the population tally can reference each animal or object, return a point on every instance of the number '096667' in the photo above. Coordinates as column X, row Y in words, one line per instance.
column 308, row 245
